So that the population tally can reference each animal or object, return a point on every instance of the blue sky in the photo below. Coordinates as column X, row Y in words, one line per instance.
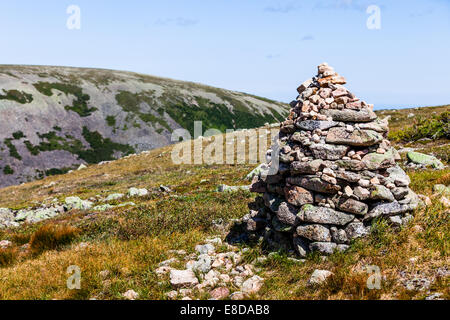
column 263, row 47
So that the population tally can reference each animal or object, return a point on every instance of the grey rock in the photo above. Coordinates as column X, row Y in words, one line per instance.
column 376, row 161
column 328, row 151
column 287, row 214
column 352, row 206
column 356, row 230
column 314, row 183
column 380, row 192
column 280, row 226
column 225, row 188
column 348, row 176
column 351, row 165
column 311, row 167
column 311, row 125
column 314, row 232
column 398, row 176
column 323, row 215
column 357, row 138
column 323, row 247
column 361, row 193
column 387, row 209
column 203, row 264
column 424, row 159
column 364, row 115
column 338, row 235
column 272, row 202
column 78, row 204
column 400, row 192
column 298, row 196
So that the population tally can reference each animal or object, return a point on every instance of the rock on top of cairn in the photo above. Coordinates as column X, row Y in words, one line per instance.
column 337, row 173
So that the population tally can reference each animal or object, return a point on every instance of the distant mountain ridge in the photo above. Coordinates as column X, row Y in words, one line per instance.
column 52, row 119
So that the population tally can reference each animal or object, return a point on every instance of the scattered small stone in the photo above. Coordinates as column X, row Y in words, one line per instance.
column 183, row 279
column 131, row 295
column 319, row 276
column 220, row 293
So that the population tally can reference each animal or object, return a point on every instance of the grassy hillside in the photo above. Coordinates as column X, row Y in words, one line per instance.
column 130, row 242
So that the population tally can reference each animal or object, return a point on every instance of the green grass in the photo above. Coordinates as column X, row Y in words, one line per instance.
column 435, row 127
column 131, row 102
column 100, row 148
column 8, row 170
column 17, row 96
column 79, row 105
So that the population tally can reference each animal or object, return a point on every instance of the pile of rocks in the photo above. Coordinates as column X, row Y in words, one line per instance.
column 337, row 172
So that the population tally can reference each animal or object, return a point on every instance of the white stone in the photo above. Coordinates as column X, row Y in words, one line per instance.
column 319, row 276
column 252, row 285
column 183, row 278
column 130, row 295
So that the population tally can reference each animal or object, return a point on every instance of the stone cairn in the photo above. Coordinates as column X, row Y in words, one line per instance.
column 337, row 173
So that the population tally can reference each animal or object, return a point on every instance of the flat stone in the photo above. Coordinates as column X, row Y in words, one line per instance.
column 328, row 151
column 351, row 165
column 323, row 215
column 346, row 115
column 389, row 209
column 357, row 138
column 376, row 161
column 424, row 159
column 298, row 196
column 311, row 167
column 314, row 183
column 348, row 176
column 352, row 206
column 323, row 247
column 314, row 232
column 378, row 125
column 311, row 125
column 380, row 192
column 183, row 279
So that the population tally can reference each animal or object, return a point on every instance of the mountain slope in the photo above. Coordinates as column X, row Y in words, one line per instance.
column 52, row 119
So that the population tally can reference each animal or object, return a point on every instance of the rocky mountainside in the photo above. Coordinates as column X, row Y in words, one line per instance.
column 53, row 119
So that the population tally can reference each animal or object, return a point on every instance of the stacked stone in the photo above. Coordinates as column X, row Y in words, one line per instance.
column 337, row 172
